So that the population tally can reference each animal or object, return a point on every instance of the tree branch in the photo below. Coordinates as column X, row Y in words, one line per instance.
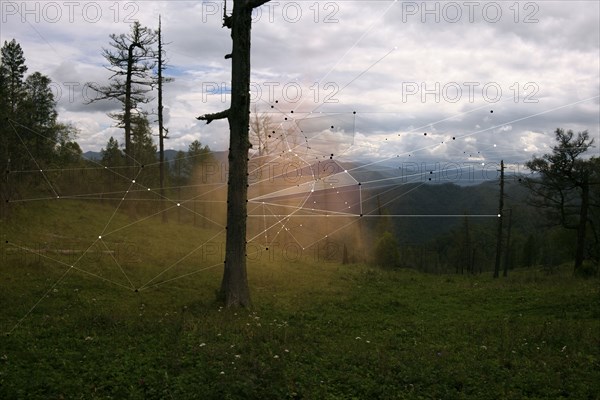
column 256, row 3
column 211, row 117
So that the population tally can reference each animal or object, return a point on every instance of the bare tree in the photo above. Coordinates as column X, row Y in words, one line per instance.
column 131, row 61
column 234, row 286
column 162, row 131
column 261, row 131
column 500, row 217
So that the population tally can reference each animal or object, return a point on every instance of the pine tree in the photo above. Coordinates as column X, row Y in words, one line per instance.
column 131, row 61
column 562, row 183
column 12, row 72
column 12, row 93
column 112, row 155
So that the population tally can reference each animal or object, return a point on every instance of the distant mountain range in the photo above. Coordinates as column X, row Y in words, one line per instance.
column 97, row 155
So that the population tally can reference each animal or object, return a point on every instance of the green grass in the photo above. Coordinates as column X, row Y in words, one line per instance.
column 317, row 330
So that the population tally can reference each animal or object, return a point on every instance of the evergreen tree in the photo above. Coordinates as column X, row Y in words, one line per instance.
column 12, row 72
column 561, row 185
column 38, row 115
column 197, row 154
column 12, row 93
column 67, row 151
column 112, row 155
column 131, row 61
column 143, row 148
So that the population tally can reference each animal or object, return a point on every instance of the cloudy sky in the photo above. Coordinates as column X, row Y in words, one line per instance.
column 435, row 81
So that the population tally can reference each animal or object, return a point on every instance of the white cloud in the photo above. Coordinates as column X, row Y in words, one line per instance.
column 351, row 59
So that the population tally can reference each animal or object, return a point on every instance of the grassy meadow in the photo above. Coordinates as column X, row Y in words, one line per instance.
column 317, row 329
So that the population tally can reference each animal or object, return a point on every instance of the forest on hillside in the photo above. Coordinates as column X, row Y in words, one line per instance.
column 41, row 159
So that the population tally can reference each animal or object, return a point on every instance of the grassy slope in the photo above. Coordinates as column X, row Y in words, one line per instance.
column 317, row 330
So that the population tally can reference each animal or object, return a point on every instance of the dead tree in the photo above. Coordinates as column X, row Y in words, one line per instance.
column 508, row 247
column 162, row 131
column 130, row 80
column 500, row 216
column 234, row 286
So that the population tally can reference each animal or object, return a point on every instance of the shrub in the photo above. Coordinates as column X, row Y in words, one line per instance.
column 386, row 251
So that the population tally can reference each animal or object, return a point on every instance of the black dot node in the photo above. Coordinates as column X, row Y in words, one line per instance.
column 425, row 134
column 491, row 111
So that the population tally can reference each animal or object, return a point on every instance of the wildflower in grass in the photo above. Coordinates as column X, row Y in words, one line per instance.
column 202, row 344
column 358, row 338
column 222, row 373
column 483, row 347
column 238, row 356
column 563, row 349
column 275, row 356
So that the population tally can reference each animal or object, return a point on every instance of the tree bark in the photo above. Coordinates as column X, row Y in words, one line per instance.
column 583, row 217
column 507, row 256
column 234, row 286
column 161, row 134
column 500, row 217
column 127, row 112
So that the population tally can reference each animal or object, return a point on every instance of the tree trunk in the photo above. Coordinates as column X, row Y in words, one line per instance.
column 234, row 286
column 500, row 217
column 161, row 134
column 507, row 256
column 127, row 112
column 581, row 228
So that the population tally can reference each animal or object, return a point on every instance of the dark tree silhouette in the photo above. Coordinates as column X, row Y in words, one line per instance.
column 234, row 287
column 500, row 218
column 162, row 131
column 561, row 184
column 131, row 63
